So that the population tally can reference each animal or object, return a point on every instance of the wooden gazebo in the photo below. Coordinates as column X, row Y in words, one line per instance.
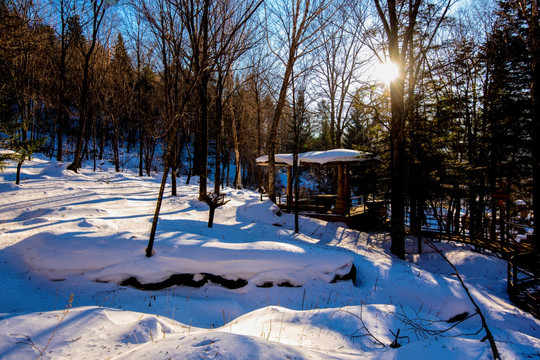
column 342, row 158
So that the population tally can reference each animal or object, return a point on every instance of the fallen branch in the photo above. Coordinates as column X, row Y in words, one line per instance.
column 363, row 324
column 488, row 336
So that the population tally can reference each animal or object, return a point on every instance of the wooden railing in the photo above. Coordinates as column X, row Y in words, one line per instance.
column 523, row 286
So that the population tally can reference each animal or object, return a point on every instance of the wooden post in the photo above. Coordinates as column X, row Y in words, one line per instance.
column 348, row 188
column 341, row 201
column 289, row 188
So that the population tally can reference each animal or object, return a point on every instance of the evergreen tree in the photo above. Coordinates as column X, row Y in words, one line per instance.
column 22, row 147
column 322, row 126
column 121, row 95
column 509, row 111
column 526, row 24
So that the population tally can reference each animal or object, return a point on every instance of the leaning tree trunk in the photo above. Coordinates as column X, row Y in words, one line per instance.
column 272, row 139
column 98, row 13
column 18, row 177
column 150, row 247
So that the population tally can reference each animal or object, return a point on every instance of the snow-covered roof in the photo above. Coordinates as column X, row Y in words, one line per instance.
column 328, row 157
column 280, row 159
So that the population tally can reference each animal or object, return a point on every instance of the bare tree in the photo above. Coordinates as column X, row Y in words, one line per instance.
column 210, row 30
column 399, row 23
column 226, row 63
column 257, row 87
column 64, row 10
column 194, row 18
column 341, row 59
column 294, row 31
column 168, row 30
column 96, row 15
column 137, row 34
column 25, row 75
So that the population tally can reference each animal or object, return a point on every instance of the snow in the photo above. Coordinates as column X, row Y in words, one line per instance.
column 334, row 155
column 67, row 240
column 283, row 159
column 319, row 157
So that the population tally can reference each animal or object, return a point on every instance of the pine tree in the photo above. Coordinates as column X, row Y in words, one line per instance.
column 121, row 95
column 13, row 140
column 509, row 108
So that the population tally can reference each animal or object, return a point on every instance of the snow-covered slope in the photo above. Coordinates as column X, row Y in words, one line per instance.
column 67, row 241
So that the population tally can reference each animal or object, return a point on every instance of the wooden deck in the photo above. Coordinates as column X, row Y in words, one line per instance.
column 523, row 281
column 362, row 217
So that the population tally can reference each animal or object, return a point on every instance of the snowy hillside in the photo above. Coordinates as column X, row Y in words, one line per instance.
column 258, row 290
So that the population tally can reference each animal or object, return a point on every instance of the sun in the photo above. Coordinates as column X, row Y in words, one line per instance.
column 387, row 72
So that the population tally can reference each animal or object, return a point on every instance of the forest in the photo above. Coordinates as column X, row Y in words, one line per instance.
column 204, row 87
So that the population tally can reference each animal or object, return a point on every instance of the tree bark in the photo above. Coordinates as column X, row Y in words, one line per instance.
column 397, row 123
column 116, row 151
column 301, row 31
column 150, row 246
column 290, row 181
column 397, row 138
column 219, row 120
column 18, row 176
column 236, row 144
column 98, row 14
column 272, row 138
column 211, row 216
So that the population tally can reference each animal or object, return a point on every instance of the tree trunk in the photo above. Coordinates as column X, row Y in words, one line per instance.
column 18, row 176
column 203, row 140
column 290, row 181
column 115, row 146
column 190, row 169
column 397, row 168
column 94, row 150
column 236, row 145
column 173, row 181
column 98, row 13
column 217, row 171
column 219, row 120
column 202, row 67
column 149, row 248
column 141, row 146
column 296, row 176
column 172, row 158
column 228, row 166
column 457, row 214
column 397, row 123
column 259, row 136
column 139, row 108
column 62, row 109
column 272, row 138
column 211, row 216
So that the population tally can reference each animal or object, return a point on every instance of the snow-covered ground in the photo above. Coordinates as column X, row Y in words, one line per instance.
column 67, row 241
